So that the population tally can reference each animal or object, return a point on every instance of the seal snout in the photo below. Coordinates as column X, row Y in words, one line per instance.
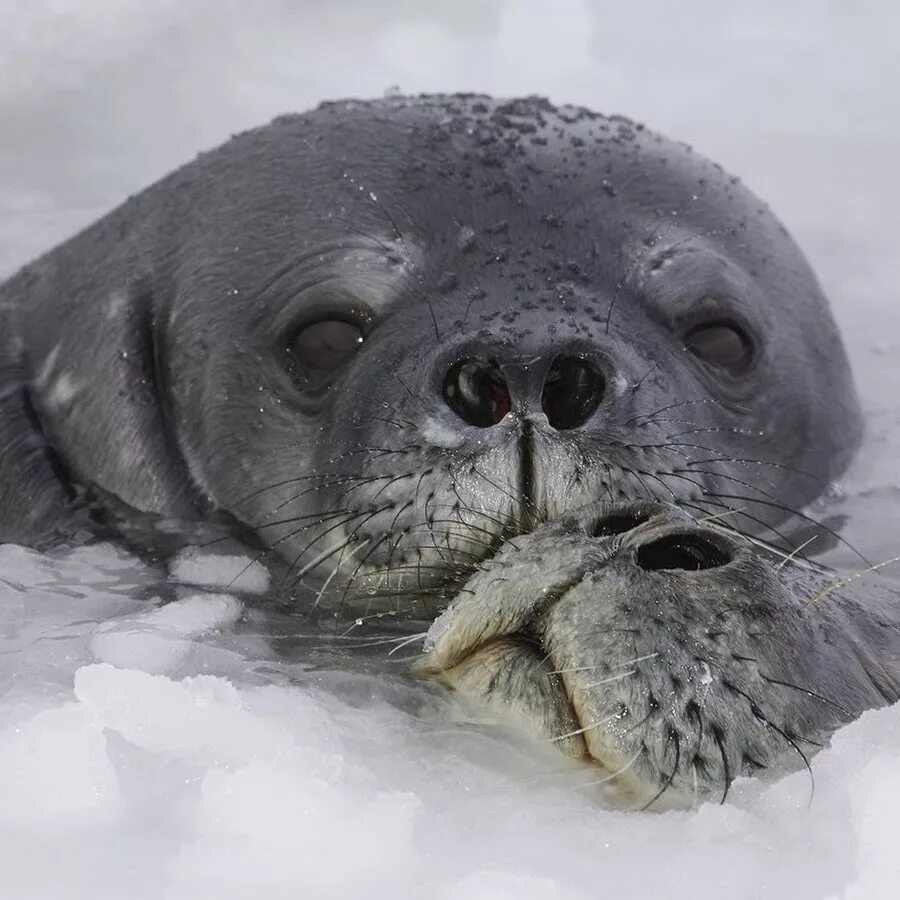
column 640, row 649
column 482, row 390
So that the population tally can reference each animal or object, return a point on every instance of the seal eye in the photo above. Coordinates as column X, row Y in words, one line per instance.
column 324, row 345
column 721, row 344
column 318, row 349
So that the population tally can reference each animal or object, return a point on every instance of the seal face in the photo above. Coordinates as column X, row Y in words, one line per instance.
column 387, row 337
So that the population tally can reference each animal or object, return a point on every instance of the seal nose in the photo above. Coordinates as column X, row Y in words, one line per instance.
column 687, row 550
column 478, row 392
column 572, row 391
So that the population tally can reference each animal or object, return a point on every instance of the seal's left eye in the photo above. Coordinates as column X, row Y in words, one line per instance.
column 722, row 344
column 323, row 346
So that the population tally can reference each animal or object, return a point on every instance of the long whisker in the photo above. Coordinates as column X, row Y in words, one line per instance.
column 790, row 557
column 673, row 738
column 408, row 641
column 628, row 662
column 611, row 679
column 843, row 582
column 334, row 571
column 582, row 730
column 613, row 775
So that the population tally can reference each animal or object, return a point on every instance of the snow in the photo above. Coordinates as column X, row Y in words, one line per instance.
column 150, row 752
column 232, row 572
column 155, row 641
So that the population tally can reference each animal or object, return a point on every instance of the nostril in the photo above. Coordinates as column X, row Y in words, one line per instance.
column 617, row 523
column 686, row 550
column 477, row 392
column 573, row 389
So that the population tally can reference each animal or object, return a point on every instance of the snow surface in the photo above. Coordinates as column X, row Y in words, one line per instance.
column 168, row 751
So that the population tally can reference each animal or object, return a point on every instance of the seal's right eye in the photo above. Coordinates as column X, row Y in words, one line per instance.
column 319, row 348
column 724, row 345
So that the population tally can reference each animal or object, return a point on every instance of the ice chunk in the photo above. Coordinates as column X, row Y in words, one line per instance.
column 156, row 641
column 238, row 573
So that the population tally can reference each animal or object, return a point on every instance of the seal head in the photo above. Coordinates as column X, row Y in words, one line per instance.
column 394, row 311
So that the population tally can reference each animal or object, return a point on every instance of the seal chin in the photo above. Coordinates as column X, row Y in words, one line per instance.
column 672, row 655
column 510, row 677
column 510, row 673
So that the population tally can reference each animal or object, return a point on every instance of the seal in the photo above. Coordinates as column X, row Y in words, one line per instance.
column 406, row 347
column 677, row 656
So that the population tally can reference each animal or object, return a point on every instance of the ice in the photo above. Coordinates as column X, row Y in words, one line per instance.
column 152, row 751
column 77, row 786
column 238, row 573
column 158, row 640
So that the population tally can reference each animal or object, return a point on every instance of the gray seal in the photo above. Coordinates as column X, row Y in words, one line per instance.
column 395, row 344
column 676, row 655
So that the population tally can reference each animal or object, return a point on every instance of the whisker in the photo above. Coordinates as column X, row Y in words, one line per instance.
column 334, row 571
column 756, row 541
column 408, row 641
column 757, row 712
column 791, row 511
column 613, row 775
column 612, row 678
column 363, row 619
column 808, row 692
column 843, row 582
column 673, row 737
column 794, row 552
column 582, row 730
column 728, row 512
column 629, row 662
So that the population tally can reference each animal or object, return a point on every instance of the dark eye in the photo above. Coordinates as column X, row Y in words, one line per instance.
column 320, row 348
column 721, row 344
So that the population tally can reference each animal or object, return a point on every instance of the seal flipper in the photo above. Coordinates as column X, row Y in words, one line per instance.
column 84, row 398
column 37, row 497
column 95, row 368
